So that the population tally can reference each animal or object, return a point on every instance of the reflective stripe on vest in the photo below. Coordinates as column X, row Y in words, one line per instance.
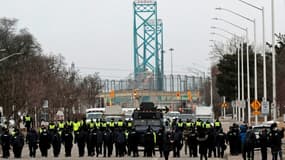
column 154, row 137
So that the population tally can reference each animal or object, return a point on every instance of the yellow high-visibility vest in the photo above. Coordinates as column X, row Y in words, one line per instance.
column 120, row 124
column 112, row 124
column 27, row 118
column 60, row 125
column 217, row 124
column 76, row 126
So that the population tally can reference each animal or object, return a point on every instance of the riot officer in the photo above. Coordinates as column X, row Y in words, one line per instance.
column 192, row 143
column 217, row 124
column 220, row 143
column 69, row 124
column 120, row 124
column 103, row 125
column 45, row 140
column 56, row 143
column 18, row 143
column 202, row 139
column 159, row 140
column 32, row 139
column 111, row 124
column 249, row 143
column 52, row 127
column 76, row 125
column 263, row 138
column 108, row 142
column 91, row 124
column 275, row 138
column 180, row 125
column 5, row 142
column 28, row 121
column 91, row 142
column 167, row 144
column 133, row 142
column 99, row 142
column 149, row 142
column 81, row 140
column 177, row 145
column 67, row 139
column 60, row 126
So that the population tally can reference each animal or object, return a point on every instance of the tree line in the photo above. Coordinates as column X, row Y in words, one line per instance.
column 226, row 78
column 32, row 77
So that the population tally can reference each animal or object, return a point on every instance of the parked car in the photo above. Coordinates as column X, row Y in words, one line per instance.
column 257, row 130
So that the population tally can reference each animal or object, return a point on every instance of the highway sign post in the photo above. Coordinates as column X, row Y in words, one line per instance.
column 265, row 107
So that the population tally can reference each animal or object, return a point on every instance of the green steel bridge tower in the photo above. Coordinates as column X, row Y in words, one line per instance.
column 148, row 43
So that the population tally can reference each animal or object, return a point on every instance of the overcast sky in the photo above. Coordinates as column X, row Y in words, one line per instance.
column 97, row 34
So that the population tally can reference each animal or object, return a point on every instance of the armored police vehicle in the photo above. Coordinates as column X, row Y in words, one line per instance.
column 147, row 116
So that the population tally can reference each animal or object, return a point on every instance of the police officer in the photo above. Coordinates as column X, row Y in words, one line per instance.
column 5, row 142
column 91, row 125
column 69, row 124
column 111, row 124
column 177, row 145
column 202, row 139
column 167, row 144
column 18, row 143
column 129, row 124
column 60, row 126
column 192, row 143
column 217, row 124
column 32, row 140
column 56, row 143
column 133, row 142
column 81, row 140
column 159, row 140
column 91, row 142
column 67, row 139
column 249, row 143
column 76, row 125
column 108, row 142
column 180, row 125
column 275, row 138
column 220, row 143
column 28, row 121
column 99, row 142
column 211, row 140
column 120, row 124
column 44, row 141
column 149, row 142
column 263, row 139
column 121, row 141
column 52, row 127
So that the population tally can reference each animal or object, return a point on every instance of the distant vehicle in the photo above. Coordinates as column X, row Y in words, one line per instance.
column 128, row 112
column 257, row 129
column 172, row 115
column 163, row 109
column 94, row 113
column 185, row 116
column 204, row 113
column 116, row 118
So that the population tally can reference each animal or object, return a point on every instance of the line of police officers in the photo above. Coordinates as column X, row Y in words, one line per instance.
column 100, row 136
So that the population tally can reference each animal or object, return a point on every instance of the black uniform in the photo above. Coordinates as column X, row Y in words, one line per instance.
column 56, row 143
column 264, row 139
column 108, row 142
column 275, row 138
column 5, row 142
column 250, row 143
column 221, row 143
column 202, row 139
column 149, row 142
column 133, row 140
column 167, row 144
column 177, row 145
column 121, row 141
column 193, row 143
column 159, row 141
column 81, row 140
column 91, row 141
column 32, row 140
column 18, row 143
column 99, row 142
column 44, row 143
column 67, row 139
column 212, row 141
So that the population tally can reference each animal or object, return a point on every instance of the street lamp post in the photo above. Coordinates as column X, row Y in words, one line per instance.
column 171, row 56
column 247, row 62
column 263, row 50
column 242, row 66
column 273, row 64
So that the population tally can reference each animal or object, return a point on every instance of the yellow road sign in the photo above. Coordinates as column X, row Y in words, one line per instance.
column 255, row 105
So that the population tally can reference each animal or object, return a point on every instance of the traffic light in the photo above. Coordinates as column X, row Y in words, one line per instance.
column 189, row 94
column 112, row 94
column 178, row 95
column 135, row 93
